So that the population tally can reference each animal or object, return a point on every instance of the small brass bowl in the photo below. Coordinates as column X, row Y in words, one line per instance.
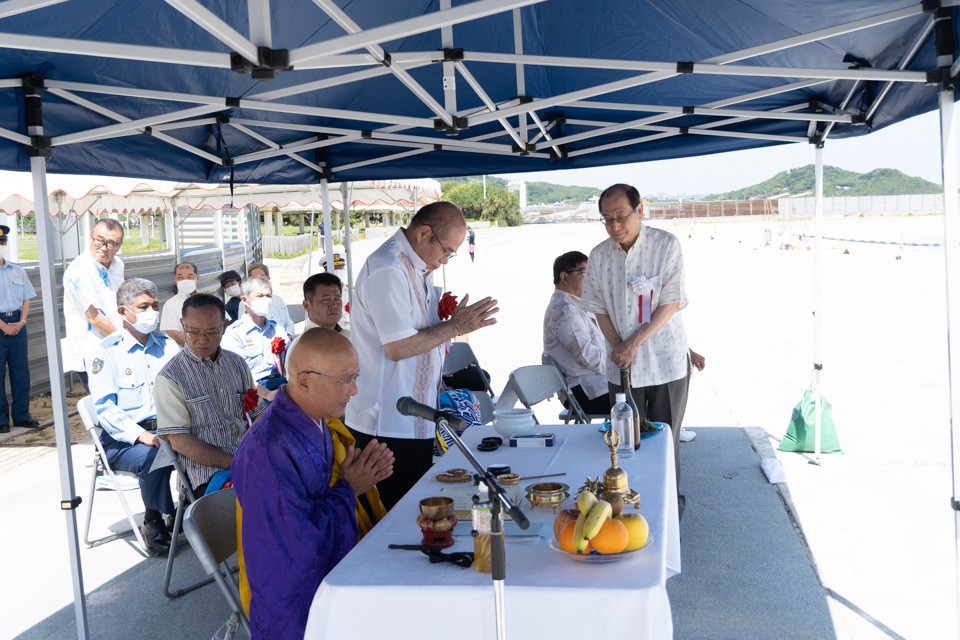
column 547, row 494
column 509, row 479
column 436, row 508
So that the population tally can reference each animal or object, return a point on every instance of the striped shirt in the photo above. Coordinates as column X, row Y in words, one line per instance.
column 203, row 398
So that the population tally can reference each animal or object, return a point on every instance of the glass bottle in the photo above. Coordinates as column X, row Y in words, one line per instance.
column 625, row 387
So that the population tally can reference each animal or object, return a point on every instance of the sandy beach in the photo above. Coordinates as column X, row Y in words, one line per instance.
column 876, row 520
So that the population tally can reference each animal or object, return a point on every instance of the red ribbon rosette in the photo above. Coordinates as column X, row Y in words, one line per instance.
column 250, row 401
column 346, row 307
column 278, row 347
column 447, row 305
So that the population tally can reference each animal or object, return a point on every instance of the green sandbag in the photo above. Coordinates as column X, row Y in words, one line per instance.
column 801, row 432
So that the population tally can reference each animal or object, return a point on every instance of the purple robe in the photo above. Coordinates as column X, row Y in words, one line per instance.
column 295, row 528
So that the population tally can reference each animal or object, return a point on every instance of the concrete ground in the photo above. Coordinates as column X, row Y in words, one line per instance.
column 861, row 546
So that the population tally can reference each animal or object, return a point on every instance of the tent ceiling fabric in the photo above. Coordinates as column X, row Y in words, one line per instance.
column 366, row 89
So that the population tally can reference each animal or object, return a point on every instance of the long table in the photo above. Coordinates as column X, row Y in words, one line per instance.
column 376, row 592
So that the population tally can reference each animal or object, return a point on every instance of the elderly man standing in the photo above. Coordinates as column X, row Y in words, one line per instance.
column 200, row 394
column 301, row 488
column 323, row 302
column 185, row 277
column 252, row 336
column 122, row 371
column 634, row 285
column 572, row 337
column 90, row 286
column 15, row 295
column 399, row 336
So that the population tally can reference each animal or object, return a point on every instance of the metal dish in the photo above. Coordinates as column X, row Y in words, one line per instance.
column 598, row 558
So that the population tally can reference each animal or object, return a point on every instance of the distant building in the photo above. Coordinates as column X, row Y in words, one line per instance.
column 519, row 187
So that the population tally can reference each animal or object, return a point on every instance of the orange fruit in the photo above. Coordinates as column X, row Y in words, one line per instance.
column 612, row 537
column 566, row 539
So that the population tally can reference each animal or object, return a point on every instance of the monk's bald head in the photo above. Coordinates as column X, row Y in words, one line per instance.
column 321, row 373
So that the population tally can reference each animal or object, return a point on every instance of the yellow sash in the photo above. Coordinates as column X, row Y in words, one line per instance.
column 341, row 438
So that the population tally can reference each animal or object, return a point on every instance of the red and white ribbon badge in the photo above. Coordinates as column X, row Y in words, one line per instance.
column 644, row 291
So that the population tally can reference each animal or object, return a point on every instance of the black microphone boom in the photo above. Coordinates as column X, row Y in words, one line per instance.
column 410, row 407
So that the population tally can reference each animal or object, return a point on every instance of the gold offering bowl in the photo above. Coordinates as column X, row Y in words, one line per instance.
column 436, row 508
column 509, row 479
column 547, row 494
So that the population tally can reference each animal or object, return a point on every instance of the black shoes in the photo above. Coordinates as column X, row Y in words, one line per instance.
column 27, row 424
column 4, row 428
column 156, row 536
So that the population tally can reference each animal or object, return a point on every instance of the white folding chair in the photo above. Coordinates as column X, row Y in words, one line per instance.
column 538, row 382
column 567, row 414
column 166, row 457
column 86, row 409
column 211, row 527
column 486, row 407
column 460, row 357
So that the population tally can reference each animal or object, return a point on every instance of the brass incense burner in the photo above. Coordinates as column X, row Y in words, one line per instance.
column 547, row 494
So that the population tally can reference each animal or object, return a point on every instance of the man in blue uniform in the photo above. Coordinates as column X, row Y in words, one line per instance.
column 121, row 372
column 15, row 295
column 252, row 335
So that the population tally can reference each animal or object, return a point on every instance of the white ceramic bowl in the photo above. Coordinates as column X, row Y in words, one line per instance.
column 508, row 422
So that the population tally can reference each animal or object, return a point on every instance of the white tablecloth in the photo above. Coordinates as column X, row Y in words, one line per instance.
column 376, row 592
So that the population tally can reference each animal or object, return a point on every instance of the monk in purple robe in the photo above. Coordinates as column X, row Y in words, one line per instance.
column 296, row 526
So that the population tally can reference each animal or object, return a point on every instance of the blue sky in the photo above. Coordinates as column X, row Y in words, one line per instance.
column 912, row 146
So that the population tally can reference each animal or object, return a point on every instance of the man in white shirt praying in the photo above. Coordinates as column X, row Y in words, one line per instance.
column 634, row 284
column 399, row 336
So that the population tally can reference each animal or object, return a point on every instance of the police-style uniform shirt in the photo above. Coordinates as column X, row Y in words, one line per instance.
column 87, row 282
column 120, row 374
column 15, row 287
column 254, row 344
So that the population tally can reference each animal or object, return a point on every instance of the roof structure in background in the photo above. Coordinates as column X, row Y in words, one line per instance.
column 288, row 92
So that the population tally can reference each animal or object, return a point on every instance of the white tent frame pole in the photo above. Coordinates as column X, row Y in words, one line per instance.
column 216, row 27
column 521, row 78
column 258, row 19
column 395, row 156
column 355, row 76
column 951, row 243
column 818, row 307
column 403, row 28
column 115, row 51
column 488, row 102
column 905, row 61
column 351, row 27
column 345, row 198
column 51, row 320
column 449, row 79
column 109, row 131
column 14, row 7
column 327, row 229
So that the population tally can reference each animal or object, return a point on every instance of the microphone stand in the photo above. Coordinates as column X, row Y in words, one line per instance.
column 497, row 496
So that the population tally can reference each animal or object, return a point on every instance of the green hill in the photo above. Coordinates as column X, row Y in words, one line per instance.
column 836, row 182
column 536, row 191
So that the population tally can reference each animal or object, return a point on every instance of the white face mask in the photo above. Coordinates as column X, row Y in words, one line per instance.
column 260, row 306
column 233, row 291
column 146, row 320
column 186, row 287
column 4, row 251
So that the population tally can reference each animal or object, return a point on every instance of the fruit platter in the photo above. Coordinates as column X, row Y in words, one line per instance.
column 598, row 531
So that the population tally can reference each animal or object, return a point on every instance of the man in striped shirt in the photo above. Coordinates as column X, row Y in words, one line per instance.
column 199, row 394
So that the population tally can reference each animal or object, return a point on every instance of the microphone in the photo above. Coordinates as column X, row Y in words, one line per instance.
column 409, row 407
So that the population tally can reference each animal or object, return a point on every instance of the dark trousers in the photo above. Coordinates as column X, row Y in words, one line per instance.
column 13, row 354
column 597, row 406
column 664, row 403
column 138, row 458
column 412, row 459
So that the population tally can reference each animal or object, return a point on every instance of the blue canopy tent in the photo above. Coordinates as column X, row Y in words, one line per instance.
column 303, row 91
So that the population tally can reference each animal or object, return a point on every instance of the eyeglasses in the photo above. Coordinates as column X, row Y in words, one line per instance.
column 580, row 270
column 447, row 254
column 609, row 221
column 103, row 242
column 210, row 333
column 348, row 381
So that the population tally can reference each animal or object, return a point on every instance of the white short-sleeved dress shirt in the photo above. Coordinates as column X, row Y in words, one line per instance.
column 657, row 256
column 87, row 282
column 172, row 312
column 572, row 338
column 386, row 309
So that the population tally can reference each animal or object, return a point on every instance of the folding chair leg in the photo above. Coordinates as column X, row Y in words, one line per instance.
column 134, row 529
column 174, row 539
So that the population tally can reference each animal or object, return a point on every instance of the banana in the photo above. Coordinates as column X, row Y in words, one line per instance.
column 600, row 513
column 586, row 501
column 579, row 542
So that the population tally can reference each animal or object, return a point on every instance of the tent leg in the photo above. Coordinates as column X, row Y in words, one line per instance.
column 46, row 244
column 951, row 223
column 817, row 307
column 347, row 238
column 328, row 235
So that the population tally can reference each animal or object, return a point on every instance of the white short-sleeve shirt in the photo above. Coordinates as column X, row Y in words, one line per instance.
column 87, row 282
column 386, row 309
column 657, row 256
